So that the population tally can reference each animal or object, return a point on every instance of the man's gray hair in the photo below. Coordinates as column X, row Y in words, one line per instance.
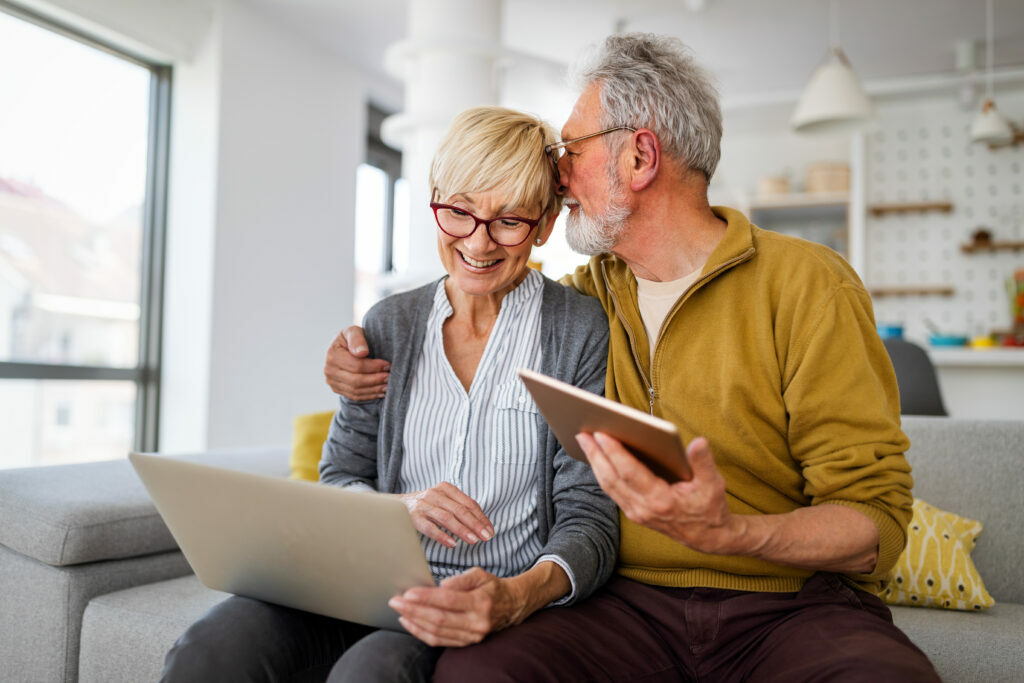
column 651, row 81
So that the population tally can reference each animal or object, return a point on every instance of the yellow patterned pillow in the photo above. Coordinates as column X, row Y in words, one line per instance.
column 308, row 436
column 935, row 569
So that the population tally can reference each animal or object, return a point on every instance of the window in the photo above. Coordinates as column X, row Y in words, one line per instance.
column 83, row 148
column 382, row 217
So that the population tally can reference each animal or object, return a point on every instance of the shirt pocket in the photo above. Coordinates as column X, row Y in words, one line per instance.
column 513, row 438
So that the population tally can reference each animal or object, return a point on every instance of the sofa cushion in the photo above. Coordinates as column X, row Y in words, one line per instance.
column 41, row 608
column 968, row 647
column 70, row 514
column 935, row 569
column 125, row 635
column 972, row 467
column 308, row 435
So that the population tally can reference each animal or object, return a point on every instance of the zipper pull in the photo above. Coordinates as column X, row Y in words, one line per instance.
column 651, row 391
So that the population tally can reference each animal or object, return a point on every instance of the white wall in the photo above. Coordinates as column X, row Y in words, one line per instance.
column 291, row 135
column 266, row 134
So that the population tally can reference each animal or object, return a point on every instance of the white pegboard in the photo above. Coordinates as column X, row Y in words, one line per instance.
column 920, row 151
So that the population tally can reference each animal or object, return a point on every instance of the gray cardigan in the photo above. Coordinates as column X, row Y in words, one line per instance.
column 576, row 520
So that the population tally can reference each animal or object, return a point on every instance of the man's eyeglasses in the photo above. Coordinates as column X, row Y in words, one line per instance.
column 556, row 150
column 507, row 231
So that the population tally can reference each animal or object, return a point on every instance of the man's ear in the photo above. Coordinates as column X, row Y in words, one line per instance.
column 646, row 159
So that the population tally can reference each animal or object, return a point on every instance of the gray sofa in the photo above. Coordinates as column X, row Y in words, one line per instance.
column 92, row 586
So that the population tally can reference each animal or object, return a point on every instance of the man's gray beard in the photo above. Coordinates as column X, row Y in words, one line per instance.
column 592, row 235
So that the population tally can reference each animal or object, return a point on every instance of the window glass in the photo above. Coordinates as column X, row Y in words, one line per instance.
column 371, row 213
column 76, row 127
column 73, row 146
column 60, row 421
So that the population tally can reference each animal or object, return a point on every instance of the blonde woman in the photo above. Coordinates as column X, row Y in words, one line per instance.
column 510, row 524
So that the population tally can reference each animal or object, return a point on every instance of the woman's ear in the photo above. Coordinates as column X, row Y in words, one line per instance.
column 547, row 224
column 646, row 159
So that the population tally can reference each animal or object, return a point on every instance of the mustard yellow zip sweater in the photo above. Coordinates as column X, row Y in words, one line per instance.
column 772, row 355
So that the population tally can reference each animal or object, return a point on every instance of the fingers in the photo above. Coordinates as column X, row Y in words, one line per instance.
column 631, row 471
column 355, row 386
column 619, row 473
column 354, row 340
column 440, row 636
column 445, row 615
column 470, row 579
column 702, row 461
column 349, row 373
column 444, row 508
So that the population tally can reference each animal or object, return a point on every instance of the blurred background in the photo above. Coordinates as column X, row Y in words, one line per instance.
column 196, row 196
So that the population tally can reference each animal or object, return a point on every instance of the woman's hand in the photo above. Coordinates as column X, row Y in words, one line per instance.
column 444, row 509
column 466, row 607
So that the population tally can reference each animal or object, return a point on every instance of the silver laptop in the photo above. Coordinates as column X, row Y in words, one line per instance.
column 317, row 548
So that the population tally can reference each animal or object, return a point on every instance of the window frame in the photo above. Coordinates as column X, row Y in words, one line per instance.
column 389, row 160
column 146, row 373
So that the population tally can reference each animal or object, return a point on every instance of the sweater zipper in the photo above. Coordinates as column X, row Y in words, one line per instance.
column 629, row 330
column 632, row 338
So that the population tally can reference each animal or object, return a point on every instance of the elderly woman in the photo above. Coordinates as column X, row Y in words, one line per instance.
column 510, row 523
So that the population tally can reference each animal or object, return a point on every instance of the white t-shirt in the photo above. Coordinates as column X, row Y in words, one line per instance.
column 656, row 299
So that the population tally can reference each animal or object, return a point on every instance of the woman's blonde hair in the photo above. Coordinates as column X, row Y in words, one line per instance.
column 490, row 148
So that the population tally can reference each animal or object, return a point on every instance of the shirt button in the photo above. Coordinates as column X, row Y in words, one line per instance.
column 522, row 399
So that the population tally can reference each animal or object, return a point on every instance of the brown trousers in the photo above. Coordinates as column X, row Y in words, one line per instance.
column 629, row 631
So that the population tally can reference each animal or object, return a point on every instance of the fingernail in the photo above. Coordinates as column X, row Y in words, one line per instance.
column 579, row 439
column 473, row 538
column 487, row 534
column 394, row 603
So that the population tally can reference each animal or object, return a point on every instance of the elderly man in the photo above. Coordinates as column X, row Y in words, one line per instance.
column 761, row 349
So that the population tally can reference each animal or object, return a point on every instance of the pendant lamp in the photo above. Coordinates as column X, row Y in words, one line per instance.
column 834, row 100
column 990, row 126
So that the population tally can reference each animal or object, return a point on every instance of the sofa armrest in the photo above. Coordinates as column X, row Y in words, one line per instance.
column 71, row 514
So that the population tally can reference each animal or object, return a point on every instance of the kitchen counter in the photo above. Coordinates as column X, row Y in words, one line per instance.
column 981, row 383
column 967, row 357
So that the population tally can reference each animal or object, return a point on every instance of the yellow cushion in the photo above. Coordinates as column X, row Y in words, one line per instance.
column 308, row 436
column 935, row 569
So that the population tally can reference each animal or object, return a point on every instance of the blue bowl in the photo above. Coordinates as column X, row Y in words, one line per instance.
column 890, row 331
column 947, row 340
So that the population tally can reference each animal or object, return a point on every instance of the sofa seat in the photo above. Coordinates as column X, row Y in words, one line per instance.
column 70, row 533
column 126, row 634
column 987, row 646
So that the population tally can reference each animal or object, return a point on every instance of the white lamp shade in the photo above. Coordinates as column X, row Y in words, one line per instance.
column 990, row 126
column 834, row 100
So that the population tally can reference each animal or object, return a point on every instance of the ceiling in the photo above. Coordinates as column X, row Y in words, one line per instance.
column 756, row 48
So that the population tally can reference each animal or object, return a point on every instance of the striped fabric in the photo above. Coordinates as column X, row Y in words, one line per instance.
column 484, row 442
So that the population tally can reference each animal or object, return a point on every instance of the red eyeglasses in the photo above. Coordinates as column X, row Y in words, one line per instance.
column 508, row 231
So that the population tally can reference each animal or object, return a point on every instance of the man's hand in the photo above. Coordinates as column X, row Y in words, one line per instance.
column 464, row 608
column 444, row 509
column 692, row 512
column 833, row 538
column 349, row 372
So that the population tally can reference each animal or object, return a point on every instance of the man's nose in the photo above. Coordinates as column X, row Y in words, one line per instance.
column 562, row 181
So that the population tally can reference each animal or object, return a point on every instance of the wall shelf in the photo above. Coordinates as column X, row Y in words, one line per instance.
column 912, row 290
column 991, row 246
column 816, row 216
column 798, row 200
column 878, row 210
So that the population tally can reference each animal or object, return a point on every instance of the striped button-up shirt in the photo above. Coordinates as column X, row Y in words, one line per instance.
column 484, row 442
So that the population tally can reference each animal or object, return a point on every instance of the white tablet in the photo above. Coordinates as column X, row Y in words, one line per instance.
column 570, row 410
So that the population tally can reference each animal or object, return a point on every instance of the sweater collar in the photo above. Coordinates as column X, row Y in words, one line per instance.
column 737, row 245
